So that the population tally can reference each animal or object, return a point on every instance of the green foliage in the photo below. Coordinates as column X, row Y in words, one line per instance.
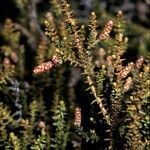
column 15, row 141
column 5, row 119
column 114, row 91
column 61, row 127
column 40, row 143
column 88, row 136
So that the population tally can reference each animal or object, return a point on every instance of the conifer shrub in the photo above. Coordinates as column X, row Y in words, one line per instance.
column 80, row 91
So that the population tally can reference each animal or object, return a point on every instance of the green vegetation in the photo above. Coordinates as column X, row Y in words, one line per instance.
column 75, row 85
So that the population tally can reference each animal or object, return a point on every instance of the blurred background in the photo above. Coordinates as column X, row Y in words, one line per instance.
column 136, row 14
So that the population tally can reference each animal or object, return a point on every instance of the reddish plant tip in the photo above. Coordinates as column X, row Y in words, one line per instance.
column 43, row 67
column 47, row 65
column 107, row 29
column 110, row 22
column 119, row 13
column 77, row 120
